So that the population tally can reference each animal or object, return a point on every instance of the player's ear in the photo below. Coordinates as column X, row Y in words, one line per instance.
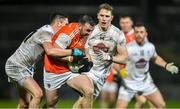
column 146, row 34
column 112, row 17
column 97, row 15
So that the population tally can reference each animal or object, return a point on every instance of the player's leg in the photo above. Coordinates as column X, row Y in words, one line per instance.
column 156, row 99
column 52, row 82
column 140, row 101
column 51, row 98
column 34, row 89
column 23, row 103
column 112, row 94
column 112, row 99
column 124, row 98
column 121, row 104
column 78, row 103
column 151, row 106
column 104, row 99
column 84, row 85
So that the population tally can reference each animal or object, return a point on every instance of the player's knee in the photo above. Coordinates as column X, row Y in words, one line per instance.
column 38, row 94
column 89, row 92
column 52, row 101
column 23, row 105
column 162, row 105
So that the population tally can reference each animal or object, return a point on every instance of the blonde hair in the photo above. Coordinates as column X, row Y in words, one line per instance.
column 106, row 6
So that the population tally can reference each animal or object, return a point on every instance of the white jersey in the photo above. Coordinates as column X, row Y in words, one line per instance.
column 138, row 60
column 30, row 50
column 106, row 41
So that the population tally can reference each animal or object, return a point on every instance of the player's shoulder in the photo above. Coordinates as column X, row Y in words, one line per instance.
column 116, row 30
column 69, row 29
column 149, row 44
column 131, row 44
column 46, row 28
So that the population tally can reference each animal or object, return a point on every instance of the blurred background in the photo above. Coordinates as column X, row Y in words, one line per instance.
column 19, row 17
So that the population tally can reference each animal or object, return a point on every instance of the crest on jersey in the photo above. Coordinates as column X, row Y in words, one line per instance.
column 141, row 63
column 100, row 46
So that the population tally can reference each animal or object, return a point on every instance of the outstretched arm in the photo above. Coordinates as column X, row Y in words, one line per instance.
column 159, row 61
column 168, row 66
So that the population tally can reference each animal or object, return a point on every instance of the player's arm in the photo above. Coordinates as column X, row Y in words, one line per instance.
column 121, row 56
column 116, row 68
column 168, row 66
column 55, row 51
column 159, row 61
column 87, row 54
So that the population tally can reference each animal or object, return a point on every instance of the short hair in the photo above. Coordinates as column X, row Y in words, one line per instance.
column 106, row 6
column 125, row 16
column 87, row 19
column 57, row 16
column 141, row 24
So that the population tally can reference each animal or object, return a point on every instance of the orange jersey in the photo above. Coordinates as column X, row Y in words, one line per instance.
column 71, row 30
column 110, row 77
column 130, row 36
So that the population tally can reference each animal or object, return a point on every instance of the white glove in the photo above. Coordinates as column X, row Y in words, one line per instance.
column 172, row 68
column 104, row 56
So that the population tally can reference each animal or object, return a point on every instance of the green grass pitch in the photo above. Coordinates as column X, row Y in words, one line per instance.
column 69, row 103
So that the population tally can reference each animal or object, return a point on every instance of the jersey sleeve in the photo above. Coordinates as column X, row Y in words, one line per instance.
column 154, row 51
column 44, row 34
column 63, row 41
column 122, row 39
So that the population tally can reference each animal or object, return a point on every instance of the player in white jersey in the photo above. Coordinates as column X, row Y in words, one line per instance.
column 126, row 24
column 105, row 45
column 20, row 66
column 140, row 52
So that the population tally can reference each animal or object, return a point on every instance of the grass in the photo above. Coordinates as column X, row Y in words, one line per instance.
column 69, row 103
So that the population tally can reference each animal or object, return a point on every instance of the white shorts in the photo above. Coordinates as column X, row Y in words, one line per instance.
column 18, row 73
column 54, row 81
column 110, row 87
column 98, row 80
column 127, row 94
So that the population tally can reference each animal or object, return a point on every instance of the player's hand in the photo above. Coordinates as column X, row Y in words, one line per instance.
column 86, row 68
column 80, row 60
column 172, row 68
column 123, row 73
column 77, row 52
column 104, row 56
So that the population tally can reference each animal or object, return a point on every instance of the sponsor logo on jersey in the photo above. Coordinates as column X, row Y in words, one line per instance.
column 100, row 46
column 141, row 63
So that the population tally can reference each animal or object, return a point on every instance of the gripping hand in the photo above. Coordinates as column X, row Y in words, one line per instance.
column 77, row 52
column 172, row 68
column 105, row 56
column 86, row 68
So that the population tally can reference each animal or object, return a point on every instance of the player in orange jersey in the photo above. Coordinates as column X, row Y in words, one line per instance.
column 71, row 39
